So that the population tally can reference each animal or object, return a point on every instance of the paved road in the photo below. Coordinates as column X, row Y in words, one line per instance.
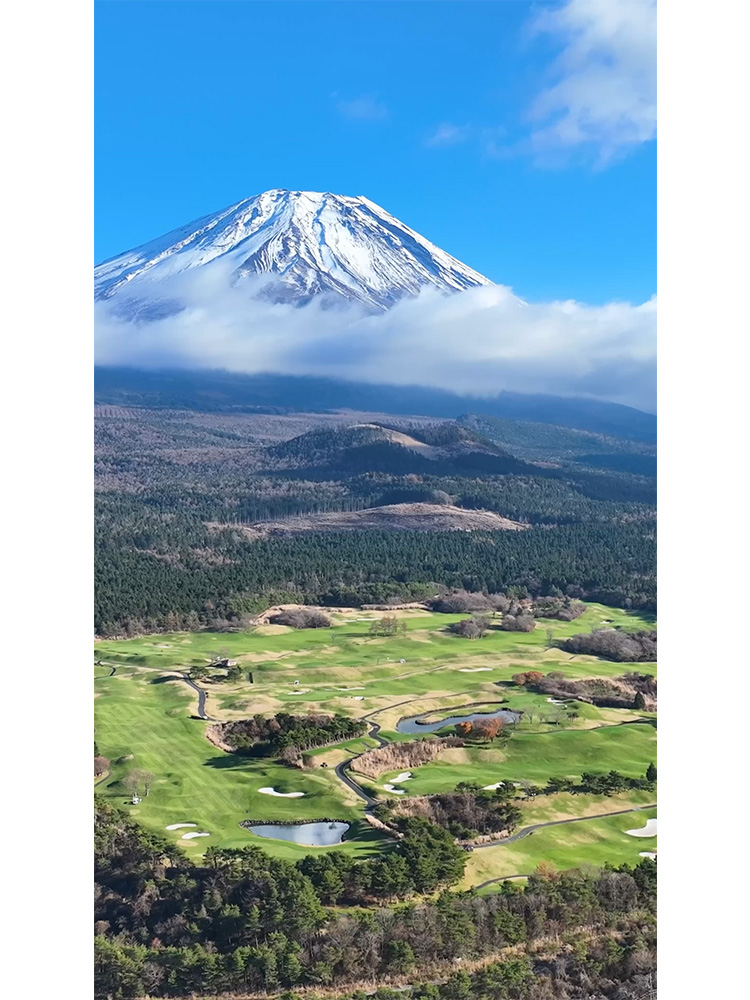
column 202, row 695
column 342, row 774
column 342, row 770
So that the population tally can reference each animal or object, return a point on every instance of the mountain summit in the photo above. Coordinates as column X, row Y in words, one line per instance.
column 308, row 244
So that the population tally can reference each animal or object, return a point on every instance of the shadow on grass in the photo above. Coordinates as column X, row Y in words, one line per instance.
column 641, row 722
column 230, row 761
column 362, row 833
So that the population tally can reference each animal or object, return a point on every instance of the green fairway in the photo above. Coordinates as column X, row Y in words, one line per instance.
column 343, row 669
column 143, row 715
column 531, row 757
column 566, row 805
column 588, row 842
column 348, row 644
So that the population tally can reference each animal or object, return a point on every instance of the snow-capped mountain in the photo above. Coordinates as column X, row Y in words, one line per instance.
column 308, row 244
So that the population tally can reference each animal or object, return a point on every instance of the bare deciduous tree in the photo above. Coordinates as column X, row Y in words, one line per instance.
column 101, row 764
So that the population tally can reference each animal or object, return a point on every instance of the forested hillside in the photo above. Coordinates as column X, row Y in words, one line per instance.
column 175, row 488
column 243, row 922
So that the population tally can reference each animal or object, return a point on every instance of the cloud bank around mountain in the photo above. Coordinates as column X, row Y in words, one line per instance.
column 477, row 342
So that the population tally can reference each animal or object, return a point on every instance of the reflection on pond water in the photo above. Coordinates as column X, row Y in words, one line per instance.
column 413, row 725
column 323, row 834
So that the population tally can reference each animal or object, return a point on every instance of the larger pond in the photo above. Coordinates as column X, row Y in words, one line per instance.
column 412, row 726
column 310, row 834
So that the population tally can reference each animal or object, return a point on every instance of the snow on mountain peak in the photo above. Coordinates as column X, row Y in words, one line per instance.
column 309, row 243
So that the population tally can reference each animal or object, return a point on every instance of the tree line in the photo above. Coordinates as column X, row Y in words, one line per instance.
column 269, row 737
column 152, row 589
column 612, row 644
column 245, row 922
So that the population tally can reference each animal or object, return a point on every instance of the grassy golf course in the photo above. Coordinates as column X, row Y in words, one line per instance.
column 146, row 719
column 590, row 842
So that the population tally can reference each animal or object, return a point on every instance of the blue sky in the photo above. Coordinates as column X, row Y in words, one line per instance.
column 517, row 136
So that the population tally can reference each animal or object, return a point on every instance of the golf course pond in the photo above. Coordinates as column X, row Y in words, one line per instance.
column 325, row 834
column 414, row 725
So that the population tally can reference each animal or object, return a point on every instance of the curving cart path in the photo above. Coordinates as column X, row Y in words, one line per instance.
column 202, row 695
column 342, row 770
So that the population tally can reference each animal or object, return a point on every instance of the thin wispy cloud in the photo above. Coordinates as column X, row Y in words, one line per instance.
column 600, row 102
column 365, row 108
column 448, row 134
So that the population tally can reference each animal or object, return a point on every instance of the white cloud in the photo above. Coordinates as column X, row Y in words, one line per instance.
column 448, row 134
column 477, row 342
column 366, row 108
column 602, row 97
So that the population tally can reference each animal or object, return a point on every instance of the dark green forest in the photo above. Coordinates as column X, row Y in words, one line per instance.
column 174, row 489
column 244, row 922
column 608, row 563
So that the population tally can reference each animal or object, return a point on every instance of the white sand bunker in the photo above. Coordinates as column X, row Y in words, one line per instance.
column 492, row 788
column 179, row 826
column 556, row 701
column 189, row 836
column 281, row 795
column 473, row 670
column 649, row 830
column 404, row 776
column 357, row 697
column 648, row 854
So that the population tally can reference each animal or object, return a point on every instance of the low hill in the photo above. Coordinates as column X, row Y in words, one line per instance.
column 371, row 447
column 394, row 517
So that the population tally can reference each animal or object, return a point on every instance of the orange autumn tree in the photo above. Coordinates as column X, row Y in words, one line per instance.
column 487, row 729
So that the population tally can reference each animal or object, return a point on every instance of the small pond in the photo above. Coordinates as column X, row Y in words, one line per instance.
column 309, row 834
column 413, row 726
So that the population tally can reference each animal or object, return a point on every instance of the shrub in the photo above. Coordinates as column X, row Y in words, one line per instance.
column 462, row 601
column 101, row 764
column 518, row 623
column 471, row 628
column 611, row 644
column 302, row 618
column 560, row 608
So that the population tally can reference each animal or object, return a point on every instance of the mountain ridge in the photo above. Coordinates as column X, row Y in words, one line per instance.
column 305, row 244
column 216, row 390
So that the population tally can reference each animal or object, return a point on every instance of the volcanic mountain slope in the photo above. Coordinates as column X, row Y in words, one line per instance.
column 305, row 244
column 370, row 447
